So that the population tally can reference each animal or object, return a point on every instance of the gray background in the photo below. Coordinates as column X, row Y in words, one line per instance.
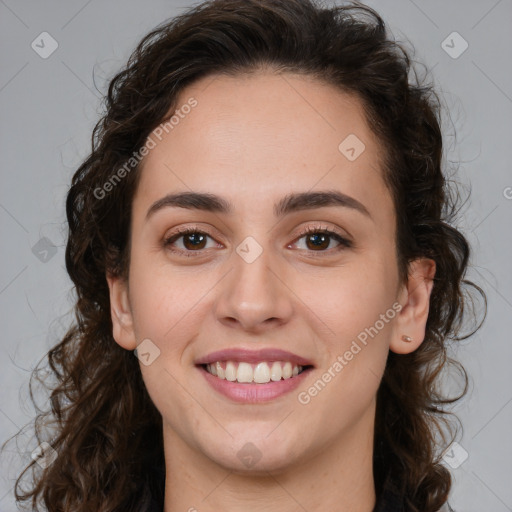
column 48, row 109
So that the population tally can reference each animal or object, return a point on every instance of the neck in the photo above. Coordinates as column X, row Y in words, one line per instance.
column 337, row 477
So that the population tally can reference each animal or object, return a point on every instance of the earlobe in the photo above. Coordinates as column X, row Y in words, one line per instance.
column 120, row 311
column 409, row 329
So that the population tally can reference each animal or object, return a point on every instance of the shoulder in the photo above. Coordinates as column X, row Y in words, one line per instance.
column 155, row 506
column 392, row 498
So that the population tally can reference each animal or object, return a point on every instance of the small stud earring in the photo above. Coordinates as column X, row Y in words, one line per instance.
column 406, row 338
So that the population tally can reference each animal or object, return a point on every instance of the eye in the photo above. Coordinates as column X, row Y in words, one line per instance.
column 194, row 240
column 318, row 239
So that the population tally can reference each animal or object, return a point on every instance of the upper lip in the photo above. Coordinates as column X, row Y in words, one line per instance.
column 253, row 356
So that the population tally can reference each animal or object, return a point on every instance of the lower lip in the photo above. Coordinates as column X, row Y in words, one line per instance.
column 251, row 392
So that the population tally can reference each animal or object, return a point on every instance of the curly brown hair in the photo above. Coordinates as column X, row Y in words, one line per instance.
column 99, row 387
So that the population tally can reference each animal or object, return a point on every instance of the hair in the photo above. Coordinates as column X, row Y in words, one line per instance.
column 108, row 439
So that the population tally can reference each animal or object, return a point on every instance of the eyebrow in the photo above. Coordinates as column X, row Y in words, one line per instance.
column 288, row 204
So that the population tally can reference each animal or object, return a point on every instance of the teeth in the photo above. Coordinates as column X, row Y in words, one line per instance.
column 244, row 373
column 287, row 370
column 276, row 371
column 260, row 373
column 230, row 371
column 219, row 371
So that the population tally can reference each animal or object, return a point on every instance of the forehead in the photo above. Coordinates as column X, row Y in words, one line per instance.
column 254, row 138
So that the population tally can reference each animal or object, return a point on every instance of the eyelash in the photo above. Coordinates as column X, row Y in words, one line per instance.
column 343, row 242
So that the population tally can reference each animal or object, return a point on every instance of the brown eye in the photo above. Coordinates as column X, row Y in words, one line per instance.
column 319, row 240
column 192, row 241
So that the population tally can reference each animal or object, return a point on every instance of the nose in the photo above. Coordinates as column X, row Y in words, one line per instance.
column 254, row 297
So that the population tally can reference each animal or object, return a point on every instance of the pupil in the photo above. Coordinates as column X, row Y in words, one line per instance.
column 315, row 238
column 195, row 239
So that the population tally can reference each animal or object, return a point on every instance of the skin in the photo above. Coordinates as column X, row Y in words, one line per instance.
column 252, row 139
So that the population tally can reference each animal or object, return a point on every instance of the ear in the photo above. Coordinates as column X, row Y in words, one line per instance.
column 415, row 300
column 120, row 310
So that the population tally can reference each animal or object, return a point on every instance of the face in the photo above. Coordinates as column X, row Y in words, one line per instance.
column 264, row 268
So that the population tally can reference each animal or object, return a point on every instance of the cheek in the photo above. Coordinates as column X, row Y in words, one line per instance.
column 164, row 299
column 357, row 306
column 352, row 298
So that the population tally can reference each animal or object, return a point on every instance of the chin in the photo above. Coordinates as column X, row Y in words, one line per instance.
column 255, row 455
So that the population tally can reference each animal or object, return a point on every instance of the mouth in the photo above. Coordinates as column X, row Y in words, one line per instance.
column 263, row 372
column 253, row 376
column 248, row 390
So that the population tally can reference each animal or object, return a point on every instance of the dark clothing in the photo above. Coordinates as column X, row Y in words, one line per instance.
column 389, row 499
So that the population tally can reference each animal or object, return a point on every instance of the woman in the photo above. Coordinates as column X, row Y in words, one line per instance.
column 264, row 222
